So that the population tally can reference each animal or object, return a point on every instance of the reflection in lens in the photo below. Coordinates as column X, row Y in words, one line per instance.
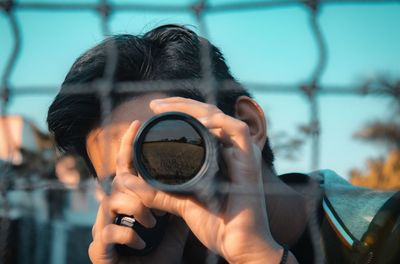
column 172, row 152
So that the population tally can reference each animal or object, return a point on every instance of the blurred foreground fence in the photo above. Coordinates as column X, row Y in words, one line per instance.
column 41, row 218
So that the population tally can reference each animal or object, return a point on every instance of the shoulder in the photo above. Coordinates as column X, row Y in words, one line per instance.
column 363, row 220
column 350, row 215
column 356, row 206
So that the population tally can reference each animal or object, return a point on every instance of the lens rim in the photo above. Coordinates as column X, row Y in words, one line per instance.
column 208, row 144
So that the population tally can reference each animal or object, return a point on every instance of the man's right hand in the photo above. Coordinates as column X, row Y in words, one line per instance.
column 106, row 234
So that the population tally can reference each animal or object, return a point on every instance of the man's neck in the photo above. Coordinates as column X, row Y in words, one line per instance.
column 287, row 210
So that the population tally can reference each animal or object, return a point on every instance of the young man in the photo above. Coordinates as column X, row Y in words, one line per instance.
column 262, row 216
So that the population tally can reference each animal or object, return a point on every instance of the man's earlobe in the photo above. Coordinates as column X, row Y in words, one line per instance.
column 250, row 112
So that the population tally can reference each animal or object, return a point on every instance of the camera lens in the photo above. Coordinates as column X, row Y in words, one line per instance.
column 172, row 151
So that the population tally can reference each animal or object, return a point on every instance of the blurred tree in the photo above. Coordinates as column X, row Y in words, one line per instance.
column 382, row 173
column 287, row 146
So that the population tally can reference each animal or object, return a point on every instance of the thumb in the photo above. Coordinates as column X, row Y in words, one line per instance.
column 155, row 199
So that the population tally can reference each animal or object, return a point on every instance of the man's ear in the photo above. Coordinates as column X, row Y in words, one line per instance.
column 250, row 112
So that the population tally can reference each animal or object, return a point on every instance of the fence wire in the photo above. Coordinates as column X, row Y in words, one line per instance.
column 105, row 9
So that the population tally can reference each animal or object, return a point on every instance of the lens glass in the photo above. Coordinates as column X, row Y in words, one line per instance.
column 172, row 152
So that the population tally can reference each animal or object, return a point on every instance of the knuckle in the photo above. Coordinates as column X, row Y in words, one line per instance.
column 169, row 204
column 181, row 208
column 118, row 202
column 113, row 204
column 91, row 250
column 114, row 234
column 150, row 199
column 93, row 231
column 119, row 159
column 106, row 234
column 213, row 109
column 208, row 106
column 127, row 236
column 219, row 116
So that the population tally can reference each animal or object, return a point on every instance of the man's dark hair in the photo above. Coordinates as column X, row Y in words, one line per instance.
column 166, row 53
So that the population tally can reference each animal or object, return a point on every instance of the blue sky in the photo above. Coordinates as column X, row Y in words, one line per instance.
column 261, row 46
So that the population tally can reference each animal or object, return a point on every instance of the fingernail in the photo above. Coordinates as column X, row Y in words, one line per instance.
column 157, row 101
column 134, row 123
column 140, row 244
column 157, row 212
column 151, row 221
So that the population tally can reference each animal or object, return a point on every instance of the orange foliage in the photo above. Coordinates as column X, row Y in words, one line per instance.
column 383, row 174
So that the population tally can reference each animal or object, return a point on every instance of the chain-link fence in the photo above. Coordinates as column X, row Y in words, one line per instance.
column 53, row 217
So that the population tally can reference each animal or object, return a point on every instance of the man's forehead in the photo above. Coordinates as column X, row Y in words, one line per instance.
column 136, row 108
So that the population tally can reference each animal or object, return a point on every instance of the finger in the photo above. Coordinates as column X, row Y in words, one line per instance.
column 100, row 251
column 210, row 116
column 94, row 231
column 103, row 218
column 155, row 199
column 222, row 137
column 177, row 104
column 124, row 158
column 115, row 234
column 237, row 130
column 121, row 203
column 175, row 99
column 97, row 254
column 157, row 212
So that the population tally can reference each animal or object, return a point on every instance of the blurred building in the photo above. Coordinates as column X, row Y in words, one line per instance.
column 18, row 136
column 47, row 202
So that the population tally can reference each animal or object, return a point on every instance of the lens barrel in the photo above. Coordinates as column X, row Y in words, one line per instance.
column 175, row 153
